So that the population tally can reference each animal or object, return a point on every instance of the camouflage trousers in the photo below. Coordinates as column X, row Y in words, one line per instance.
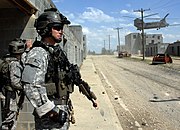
column 9, row 111
column 10, row 121
column 46, row 123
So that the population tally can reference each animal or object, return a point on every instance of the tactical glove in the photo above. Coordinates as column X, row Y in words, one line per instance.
column 58, row 115
column 54, row 114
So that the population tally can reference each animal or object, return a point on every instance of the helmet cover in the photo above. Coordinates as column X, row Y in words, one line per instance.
column 17, row 46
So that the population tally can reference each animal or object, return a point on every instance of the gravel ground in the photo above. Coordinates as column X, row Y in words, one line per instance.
column 144, row 96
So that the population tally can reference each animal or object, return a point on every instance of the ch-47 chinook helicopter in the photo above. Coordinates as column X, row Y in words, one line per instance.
column 159, row 24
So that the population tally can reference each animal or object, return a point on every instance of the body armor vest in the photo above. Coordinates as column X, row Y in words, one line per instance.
column 54, row 77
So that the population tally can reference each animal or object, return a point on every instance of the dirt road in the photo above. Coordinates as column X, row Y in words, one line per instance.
column 144, row 96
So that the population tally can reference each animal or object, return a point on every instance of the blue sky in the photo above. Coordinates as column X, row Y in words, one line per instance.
column 99, row 18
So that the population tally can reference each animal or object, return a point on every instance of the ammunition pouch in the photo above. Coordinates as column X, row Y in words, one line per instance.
column 8, row 88
column 58, row 101
column 50, row 88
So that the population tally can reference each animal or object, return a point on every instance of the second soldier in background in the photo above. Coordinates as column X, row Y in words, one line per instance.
column 10, row 81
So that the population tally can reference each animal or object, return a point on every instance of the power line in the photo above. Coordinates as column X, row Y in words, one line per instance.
column 161, row 6
column 169, row 3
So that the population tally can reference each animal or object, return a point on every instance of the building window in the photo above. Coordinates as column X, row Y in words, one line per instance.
column 172, row 49
column 159, row 37
column 152, row 41
column 134, row 36
column 84, row 38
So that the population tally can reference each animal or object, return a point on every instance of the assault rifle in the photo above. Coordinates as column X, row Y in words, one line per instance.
column 72, row 75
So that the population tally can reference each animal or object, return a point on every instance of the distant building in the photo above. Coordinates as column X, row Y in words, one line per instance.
column 122, row 48
column 153, row 49
column 133, row 42
column 174, row 49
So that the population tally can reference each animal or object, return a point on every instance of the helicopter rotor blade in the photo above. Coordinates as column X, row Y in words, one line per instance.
column 174, row 25
column 129, row 17
column 150, row 15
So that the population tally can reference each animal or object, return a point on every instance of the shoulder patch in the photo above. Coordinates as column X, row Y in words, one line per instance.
column 34, row 62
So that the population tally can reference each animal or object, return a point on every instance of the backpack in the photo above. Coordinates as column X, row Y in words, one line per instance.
column 4, row 71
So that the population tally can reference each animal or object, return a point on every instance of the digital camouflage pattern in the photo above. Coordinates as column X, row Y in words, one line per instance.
column 9, row 114
column 33, row 78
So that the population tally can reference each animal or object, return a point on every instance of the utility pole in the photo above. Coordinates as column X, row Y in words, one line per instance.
column 109, row 43
column 142, row 22
column 118, row 28
column 105, row 52
column 105, row 44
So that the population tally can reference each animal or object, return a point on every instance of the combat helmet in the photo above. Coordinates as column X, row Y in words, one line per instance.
column 17, row 46
column 46, row 20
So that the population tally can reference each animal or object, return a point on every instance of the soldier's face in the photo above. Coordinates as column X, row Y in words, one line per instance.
column 28, row 43
column 57, row 33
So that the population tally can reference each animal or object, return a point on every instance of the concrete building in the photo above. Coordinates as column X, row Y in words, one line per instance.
column 133, row 42
column 153, row 49
column 153, row 38
column 76, row 44
column 17, row 21
column 174, row 49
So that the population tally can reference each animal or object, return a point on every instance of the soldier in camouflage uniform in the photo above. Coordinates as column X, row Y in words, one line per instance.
column 45, row 71
column 11, row 70
column 39, row 73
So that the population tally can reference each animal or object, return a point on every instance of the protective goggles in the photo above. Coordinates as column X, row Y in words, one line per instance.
column 57, row 27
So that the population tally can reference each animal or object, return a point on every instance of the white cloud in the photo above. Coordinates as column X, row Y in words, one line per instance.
column 96, row 15
column 130, row 13
column 126, row 25
column 124, row 12
column 85, row 30
column 97, row 36
column 70, row 16
column 136, row 14
column 75, row 20
column 171, row 36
